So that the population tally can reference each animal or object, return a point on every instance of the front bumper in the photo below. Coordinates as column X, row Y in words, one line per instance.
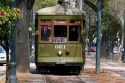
column 58, row 64
column 2, row 61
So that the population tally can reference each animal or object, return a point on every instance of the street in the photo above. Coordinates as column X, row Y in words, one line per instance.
column 110, row 72
column 38, row 38
column 2, row 72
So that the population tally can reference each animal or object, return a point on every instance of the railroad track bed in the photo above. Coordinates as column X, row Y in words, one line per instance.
column 88, row 76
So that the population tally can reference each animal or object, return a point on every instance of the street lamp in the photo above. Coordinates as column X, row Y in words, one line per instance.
column 12, row 78
column 99, row 36
column 124, row 40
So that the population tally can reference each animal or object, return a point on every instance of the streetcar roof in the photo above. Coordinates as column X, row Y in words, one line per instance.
column 60, row 10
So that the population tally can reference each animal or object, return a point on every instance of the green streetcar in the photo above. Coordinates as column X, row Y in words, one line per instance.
column 60, row 38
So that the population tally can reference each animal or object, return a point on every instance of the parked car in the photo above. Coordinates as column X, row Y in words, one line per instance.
column 92, row 49
column 2, row 56
column 116, row 50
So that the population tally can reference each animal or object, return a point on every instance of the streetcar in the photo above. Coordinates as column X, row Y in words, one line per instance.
column 60, row 39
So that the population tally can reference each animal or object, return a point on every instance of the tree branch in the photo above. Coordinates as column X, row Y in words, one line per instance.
column 91, row 5
column 30, row 4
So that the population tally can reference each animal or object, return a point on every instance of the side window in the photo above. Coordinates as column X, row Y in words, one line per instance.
column 46, row 31
column 74, row 32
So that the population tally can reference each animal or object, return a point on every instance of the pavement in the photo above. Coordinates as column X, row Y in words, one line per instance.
column 2, row 73
column 117, row 69
column 110, row 72
column 104, row 64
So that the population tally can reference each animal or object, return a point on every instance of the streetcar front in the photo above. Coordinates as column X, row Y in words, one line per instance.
column 59, row 41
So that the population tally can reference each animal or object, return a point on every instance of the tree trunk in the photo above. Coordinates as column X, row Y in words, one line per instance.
column 103, row 50
column 22, row 39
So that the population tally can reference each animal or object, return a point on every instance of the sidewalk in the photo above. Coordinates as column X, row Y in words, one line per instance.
column 110, row 72
column 104, row 64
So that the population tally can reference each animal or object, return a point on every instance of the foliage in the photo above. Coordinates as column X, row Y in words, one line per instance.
column 8, row 14
column 8, row 17
column 110, row 21
column 105, row 17
column 111, row 24
column 43, row 3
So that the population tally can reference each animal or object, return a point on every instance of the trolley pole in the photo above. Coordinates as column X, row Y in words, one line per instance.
column 81, row 4
column 98, row 36
column 12, row 78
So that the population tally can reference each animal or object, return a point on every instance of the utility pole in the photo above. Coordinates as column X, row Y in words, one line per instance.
column 124, row 40
column 99, row 36
column 12, row 78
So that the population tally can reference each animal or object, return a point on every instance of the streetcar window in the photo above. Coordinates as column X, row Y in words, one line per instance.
column 60, row 31
column 74, row 33
column 46, row 33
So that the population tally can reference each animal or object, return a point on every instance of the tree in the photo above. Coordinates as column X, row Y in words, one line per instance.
column 22, row 35
column 119, row 7
column 43, row 3
column 111, row 24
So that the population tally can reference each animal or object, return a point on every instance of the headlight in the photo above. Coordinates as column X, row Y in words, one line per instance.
column 59, row 53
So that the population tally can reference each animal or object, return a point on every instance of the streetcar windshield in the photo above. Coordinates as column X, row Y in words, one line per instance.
column 60, row 34
column 60, row 31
